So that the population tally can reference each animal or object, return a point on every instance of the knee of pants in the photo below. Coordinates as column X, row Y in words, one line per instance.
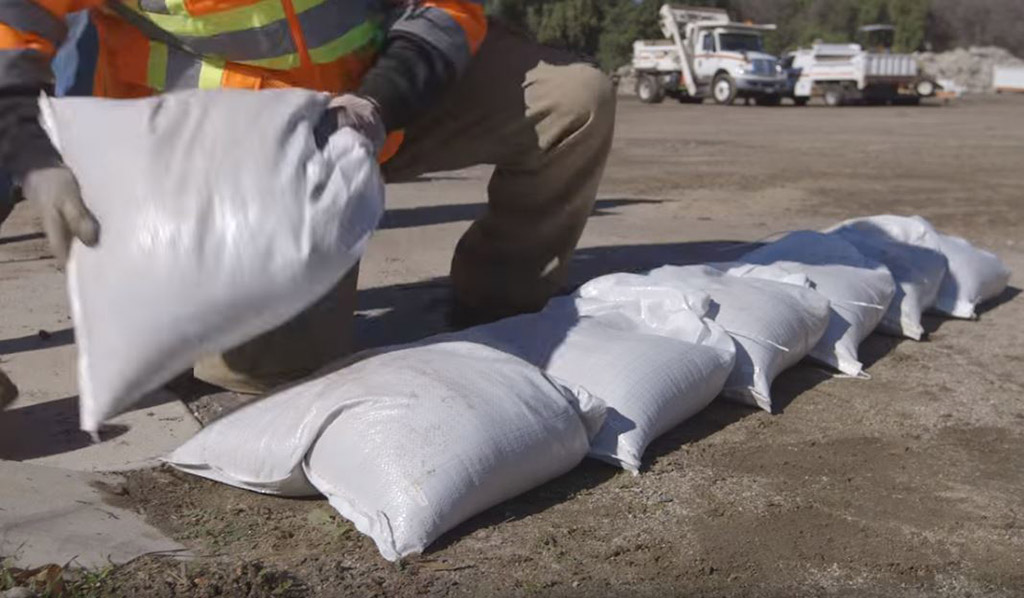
column 586, row 98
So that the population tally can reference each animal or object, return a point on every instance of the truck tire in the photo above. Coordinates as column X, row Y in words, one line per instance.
column 925, row 88
column 723, row 89
column 649, row 90
column 835, row 96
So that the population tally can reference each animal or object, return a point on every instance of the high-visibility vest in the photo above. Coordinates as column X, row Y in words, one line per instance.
column 326, row 45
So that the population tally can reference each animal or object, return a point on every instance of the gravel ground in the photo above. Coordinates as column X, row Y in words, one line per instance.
column 908, row 484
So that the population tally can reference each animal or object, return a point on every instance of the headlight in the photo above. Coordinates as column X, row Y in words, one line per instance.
column 743, row 69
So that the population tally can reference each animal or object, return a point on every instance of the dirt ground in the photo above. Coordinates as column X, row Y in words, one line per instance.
column 908, row 484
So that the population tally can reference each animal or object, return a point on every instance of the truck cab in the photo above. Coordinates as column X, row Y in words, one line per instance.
column 706, row 54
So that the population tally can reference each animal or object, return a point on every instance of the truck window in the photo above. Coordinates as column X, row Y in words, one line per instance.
column 739, row 42
column 708, row 43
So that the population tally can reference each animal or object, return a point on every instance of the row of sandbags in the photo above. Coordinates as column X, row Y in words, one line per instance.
column 208, row 242
column 407, row 442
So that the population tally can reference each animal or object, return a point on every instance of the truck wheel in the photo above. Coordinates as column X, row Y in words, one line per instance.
column 723, row 89
column 801, row 101
column 925, row 88
column 649, row 90
column 834, row 96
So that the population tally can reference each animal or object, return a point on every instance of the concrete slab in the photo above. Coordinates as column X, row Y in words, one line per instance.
column 50, row 515
column 37, row 352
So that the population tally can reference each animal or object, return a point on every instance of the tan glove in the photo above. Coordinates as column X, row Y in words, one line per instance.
column 65, row 217
column 360, row 114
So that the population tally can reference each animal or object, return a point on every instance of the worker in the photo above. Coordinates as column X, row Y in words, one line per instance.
column 431, row 83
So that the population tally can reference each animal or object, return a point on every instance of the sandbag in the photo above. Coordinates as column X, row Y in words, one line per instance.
column 859, row 289
column 910, row 248
column 974, row 277
column 221, row 217
column 406, row 444
column 774, row 324
column 650, row 383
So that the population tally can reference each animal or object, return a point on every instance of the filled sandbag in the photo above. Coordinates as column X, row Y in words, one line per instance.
column 774, row 324
column 650, row 383
column 222, row 215
column 405, row 444
column 974, row 277
column 859, row 289
column 910, row 248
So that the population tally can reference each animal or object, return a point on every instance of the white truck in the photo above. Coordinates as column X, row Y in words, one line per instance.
column 705, row 54
column 845, row 73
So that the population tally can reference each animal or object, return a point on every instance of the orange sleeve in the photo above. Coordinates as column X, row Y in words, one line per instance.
column 30, row 33
column 470, row 17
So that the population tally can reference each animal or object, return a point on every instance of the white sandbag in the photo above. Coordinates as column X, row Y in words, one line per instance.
column 220, row 218
column 650, row 383
column 406, row 444
column 774, row 324
column 909, row 247
column 974, row 277
column 858, row 288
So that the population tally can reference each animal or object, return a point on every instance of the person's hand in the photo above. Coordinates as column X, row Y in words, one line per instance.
column 360, row 114
column 65, row 217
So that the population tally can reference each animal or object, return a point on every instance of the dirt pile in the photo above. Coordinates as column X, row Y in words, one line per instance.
column 969, row 68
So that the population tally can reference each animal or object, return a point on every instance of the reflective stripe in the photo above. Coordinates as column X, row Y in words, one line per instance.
column 156, row 70
column 436, row 27
column 210, row 74
column 238, row 19
column 182, row 70
column 360, row 37
column 330, row 19
column 24, row 68
column 278, row 63
column 301, row 6
column 270, row 41
column 157, row 6
column 29, row 17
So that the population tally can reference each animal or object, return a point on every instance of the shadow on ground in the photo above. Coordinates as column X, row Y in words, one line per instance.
column 34, row 342
column 447, row 213
column 408, row 312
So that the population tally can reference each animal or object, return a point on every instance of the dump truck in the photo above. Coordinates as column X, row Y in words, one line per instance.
column 707, row 54
column 846, row 73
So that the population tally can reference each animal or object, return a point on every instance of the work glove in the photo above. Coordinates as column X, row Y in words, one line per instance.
column 361, row 114
column 26, row 153
column 55, row 191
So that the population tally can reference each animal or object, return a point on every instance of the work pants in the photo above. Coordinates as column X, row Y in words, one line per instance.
column 544, row 119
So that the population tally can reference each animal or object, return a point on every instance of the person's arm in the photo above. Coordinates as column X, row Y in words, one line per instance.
column 428, row 47
column 30, row 33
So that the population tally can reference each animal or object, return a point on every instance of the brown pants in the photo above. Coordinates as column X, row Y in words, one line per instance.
column 545, row 120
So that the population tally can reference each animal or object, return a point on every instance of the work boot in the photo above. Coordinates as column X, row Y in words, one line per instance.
column 8, row 391
column 7, row 203
column 461, row 316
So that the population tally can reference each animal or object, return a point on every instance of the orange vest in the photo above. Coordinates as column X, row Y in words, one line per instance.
column 325, row 45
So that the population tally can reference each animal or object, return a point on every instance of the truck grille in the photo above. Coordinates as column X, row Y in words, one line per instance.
column 891, row 65
column 764, row 66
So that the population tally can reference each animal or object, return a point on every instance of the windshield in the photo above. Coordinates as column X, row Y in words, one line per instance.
column 739, row 42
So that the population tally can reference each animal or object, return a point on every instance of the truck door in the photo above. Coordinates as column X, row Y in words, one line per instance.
column 705, row 51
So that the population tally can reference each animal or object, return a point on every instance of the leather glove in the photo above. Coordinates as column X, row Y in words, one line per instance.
column 65, row 217
column 361, row 114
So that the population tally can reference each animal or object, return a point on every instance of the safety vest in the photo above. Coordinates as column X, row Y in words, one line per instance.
column 152, row 46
